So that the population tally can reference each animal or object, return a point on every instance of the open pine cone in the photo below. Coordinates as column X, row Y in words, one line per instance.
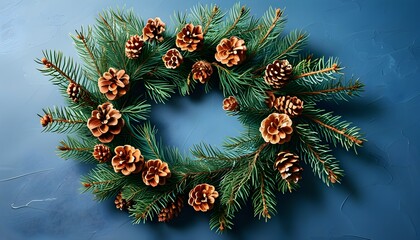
column 190, row 38
column 105, row 122
column 133, row 47
column 276, row 128
column 231, row 51
column 114, row 83
column 101, row 153
column 270, row 100
column 121, row 203
column 154, row 30
column 288, row 165
column 172, row 58
column 202, row 71
column 73, row 90
column 291, row 106
column 171, row 211
column 127, row 160
column 278, row 74
column 202, row 197
column 155, row 173
column 230, row 104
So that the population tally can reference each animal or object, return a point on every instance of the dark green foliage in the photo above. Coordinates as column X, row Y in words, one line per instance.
column 242, row 170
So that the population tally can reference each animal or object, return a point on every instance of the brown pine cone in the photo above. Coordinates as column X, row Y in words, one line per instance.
column 73, row 90
column 278, row 74
column 171, row 211
column 230, row 104
column 276, row 128
column 154, row 30
column 101, row 153
column 270, row 100
column 202, row 71
column 105, row 122
column 190, row 38
column 127, row 160
column 202, row 197
column 172, row 58
column 114, row 83
column 288, row 165
column 231, row 51
column 291, row 106
column 133, row 47
column 46, row 119
column 121, row 203
column 155, row 173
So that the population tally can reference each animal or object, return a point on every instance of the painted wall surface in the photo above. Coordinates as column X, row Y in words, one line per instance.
column 376, row 40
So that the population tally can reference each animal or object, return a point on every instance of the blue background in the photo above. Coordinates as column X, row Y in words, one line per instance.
column 376, row 40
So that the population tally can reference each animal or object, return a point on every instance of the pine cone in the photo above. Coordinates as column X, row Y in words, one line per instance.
column 46, row 63
column 171, row 211
column 46, row 119
column 101, row 153
column 270, row 100
column 105, row 122
column 172, row 58
column 291, row 106
column 127, row 160
column 202, row 71
column 114, row 83
column 155, row 173
column 121, row 203
column 230, row 104
column 190, row 38
column 154, row 30
column 73, row 90
column 276, row 128
column 288, row 165
column 133, row 47
column 231, row 51
column 202, row 197
column 278, row 74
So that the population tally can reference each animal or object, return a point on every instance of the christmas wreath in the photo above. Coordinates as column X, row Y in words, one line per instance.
column 271, row 87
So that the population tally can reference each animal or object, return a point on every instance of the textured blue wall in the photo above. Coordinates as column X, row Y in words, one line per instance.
column 377, row 40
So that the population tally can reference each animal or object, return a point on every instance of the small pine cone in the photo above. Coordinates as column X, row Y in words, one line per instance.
column 114, row 83
column 121, row 203
column 127, row 160
column 202, row 71
column 133, row 47
column 105, row 122
column 230, row 104
column 101, row 153
column 73, row 90
column 154, row 30
column 202, row 197
column 171, row 211
column 270, row 100
column 231, row 51
column 46, row 63
column 278, row 74
column 288, row 165
column 155, row 173
column 291, row 106
column 46, row 119
column 172, row 58
column 276, row 128
column 190, row 38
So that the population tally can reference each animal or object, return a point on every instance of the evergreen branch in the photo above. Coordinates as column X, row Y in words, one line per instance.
column 209, row 21
column 83, row 39
column 111, row 31
column 341, row 132
column 220, row 219
column 137, row 112
column 64, row 120
column 273, row 25
column 333, row 68
column 292, row 46
column 238, row 18
column 349, row 90
column 77, row 149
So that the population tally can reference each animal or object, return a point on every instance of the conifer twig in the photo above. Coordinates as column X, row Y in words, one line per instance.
column 273, row 24
column 333, row 68
column 83, row 39
column 213, row 13
column 350, row 89
column 236, row 21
